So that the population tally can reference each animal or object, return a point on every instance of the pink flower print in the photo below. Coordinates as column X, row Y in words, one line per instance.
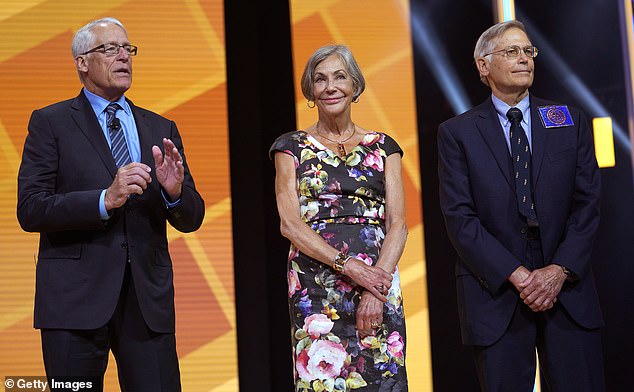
column 343, row 285
column 317, row 324
column 370, row 138
column 289, row 152
column 322, row 361
column 374, row 160
column 293, row 252
column 361, row 364
column 370, row 341
column 365, row 258
column 293, row 282
column 395, row 344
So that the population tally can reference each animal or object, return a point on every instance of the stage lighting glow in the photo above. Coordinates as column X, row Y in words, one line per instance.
column 551, row 60
column 435, row 56
column 604, row 141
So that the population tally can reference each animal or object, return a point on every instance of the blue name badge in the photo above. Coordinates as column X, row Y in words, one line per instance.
column 555, row 116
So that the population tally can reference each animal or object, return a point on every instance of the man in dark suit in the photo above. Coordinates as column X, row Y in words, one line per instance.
column 519, row 190
column 99, row 179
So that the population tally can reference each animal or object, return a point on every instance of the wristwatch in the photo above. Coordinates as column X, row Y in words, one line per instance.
column 340, row 261
column 566, row 270
column 570, row 277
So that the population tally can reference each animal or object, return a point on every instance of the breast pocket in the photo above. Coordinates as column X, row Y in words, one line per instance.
column 565, row 154
column 562, row 144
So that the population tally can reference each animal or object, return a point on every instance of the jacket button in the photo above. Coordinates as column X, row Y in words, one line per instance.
column 124, row 245
column 523, row 230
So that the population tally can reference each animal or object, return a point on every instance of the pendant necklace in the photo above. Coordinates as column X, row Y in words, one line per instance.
column 340, row 144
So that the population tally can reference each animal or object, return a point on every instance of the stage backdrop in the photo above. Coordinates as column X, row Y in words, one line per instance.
column 180, row 73
column 378, row 34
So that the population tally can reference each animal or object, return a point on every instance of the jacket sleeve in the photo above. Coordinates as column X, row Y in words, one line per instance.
column 42, row 207
column 488, row 259
column 575, row 249
column 189, row 214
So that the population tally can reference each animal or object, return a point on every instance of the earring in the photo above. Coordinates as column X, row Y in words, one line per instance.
column 308, row 102
column 356, row 99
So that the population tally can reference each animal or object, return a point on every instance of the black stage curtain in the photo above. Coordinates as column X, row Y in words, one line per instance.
column 261, row 106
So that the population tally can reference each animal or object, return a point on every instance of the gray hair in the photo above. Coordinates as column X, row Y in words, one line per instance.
column 85, row 38
column 346, row 57
column 487, row 41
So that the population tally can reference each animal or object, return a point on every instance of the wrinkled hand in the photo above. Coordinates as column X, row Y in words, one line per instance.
column 518, row 276
column 369, row 314
column 169, row 169
column 130, row 179
column 539, row 291
column 369, row 277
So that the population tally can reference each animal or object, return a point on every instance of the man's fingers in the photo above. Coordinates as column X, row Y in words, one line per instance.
column 170, row 149
column 136, row 165
column 158, row 155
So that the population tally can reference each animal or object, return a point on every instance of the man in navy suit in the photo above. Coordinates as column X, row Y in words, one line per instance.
column 99, row 179
column 519, row 190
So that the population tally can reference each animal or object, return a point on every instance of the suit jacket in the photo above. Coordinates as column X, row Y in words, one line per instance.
column 66, row 164
column 477, row 198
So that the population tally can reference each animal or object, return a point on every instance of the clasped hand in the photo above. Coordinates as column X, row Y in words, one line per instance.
column 369, row 314
column 135, row 177
column 539, row 288
column 374, row 279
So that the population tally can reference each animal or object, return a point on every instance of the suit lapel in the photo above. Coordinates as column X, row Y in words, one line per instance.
column 84, row 116
column 539, row 136
column 489, row 127
column 145, row 132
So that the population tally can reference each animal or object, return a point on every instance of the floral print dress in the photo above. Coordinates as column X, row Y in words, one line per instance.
column 343, row 200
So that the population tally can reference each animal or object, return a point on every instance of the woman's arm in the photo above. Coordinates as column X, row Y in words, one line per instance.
column 309, row 242
column 395, row 224
column 370, row 310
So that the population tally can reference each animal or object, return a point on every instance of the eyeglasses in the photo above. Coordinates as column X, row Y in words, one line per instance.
column 112, row 49
column 514, row 51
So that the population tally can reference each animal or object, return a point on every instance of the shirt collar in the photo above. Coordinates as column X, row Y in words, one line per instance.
column 99, row 104
column 502, row 107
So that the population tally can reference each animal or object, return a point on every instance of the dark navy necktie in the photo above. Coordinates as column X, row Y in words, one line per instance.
column 118, row 145
column 521, row 154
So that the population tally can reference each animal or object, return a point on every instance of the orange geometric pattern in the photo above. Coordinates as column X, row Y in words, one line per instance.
column 179, row 73
column 377, row 32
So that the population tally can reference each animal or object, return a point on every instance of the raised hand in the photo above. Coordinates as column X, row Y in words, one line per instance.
column 169, row 168
column 132, row 178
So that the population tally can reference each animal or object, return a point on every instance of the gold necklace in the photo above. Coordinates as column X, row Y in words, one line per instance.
column 340, row 144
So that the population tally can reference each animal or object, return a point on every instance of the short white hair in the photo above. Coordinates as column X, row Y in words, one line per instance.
column 487, row 41
column 346, row 57
column 85, row 38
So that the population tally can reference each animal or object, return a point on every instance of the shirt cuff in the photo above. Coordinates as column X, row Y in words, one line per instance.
column 102, row 206
column 170, row 204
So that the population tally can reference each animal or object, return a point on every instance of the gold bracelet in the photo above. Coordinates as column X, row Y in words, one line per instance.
column 339, row 262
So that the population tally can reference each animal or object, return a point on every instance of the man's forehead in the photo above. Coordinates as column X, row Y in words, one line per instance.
column 513, row 35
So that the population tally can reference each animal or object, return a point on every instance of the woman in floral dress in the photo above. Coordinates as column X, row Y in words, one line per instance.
column 341, row 204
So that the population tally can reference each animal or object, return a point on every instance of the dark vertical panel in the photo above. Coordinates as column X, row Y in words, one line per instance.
column 261, row 106
column 457, row 25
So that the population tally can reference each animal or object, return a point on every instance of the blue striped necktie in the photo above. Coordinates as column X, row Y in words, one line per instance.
column 521, row 155
column 118, row 145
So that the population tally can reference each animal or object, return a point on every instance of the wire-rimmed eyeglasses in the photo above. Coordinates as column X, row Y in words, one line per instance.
column 514, row 51
column 112, row 49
